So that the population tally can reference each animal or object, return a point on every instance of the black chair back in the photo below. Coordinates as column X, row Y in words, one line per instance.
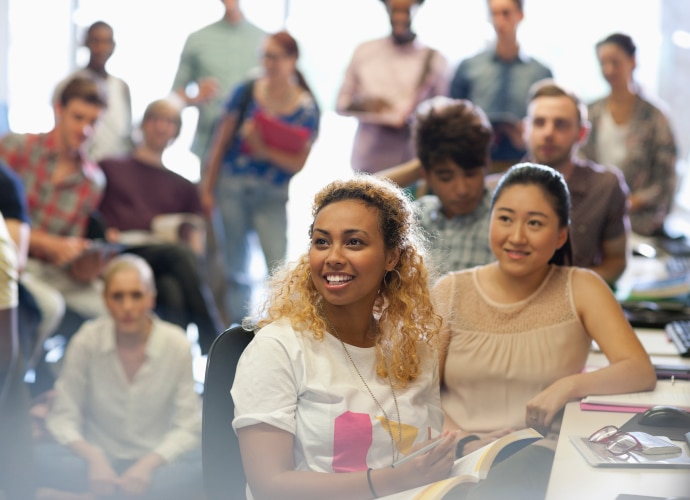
column 222, row 466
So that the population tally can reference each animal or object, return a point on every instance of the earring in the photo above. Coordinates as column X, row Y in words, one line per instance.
column 386, row 281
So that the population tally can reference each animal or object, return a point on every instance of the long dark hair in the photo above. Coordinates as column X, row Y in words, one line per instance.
column 553, row 185
column 623, row 41
column 289, row 45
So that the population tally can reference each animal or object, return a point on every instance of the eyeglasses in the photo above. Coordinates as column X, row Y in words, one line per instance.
column 270, row 56
column 617, row 442
column 161, row 118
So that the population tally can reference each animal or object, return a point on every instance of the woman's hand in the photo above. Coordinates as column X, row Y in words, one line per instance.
column 252, row 137
column 208, row 200
column 432, row 466
column 542, row 408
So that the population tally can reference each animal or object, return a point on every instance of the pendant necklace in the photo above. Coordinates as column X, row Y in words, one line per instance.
column 395, row 451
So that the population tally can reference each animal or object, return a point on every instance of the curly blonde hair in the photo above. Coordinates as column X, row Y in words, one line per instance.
column 406, row 315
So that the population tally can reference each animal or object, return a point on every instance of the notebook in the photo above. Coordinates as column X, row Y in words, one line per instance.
column 667, row 392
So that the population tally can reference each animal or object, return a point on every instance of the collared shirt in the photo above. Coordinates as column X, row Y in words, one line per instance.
column 500, row 88
column 496, row 85
column 62, row 209
column 158, row 411
column 402, row 75
column 460, row 242
column 599, row 213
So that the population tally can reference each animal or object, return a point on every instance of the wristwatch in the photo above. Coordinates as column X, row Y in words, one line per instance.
column 460, row 447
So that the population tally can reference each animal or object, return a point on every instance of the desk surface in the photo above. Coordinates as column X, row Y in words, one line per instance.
column 573, row 478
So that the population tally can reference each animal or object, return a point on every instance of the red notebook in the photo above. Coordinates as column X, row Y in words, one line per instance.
column 280, row 135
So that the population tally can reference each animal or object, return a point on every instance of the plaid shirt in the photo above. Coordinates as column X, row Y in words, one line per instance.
column 458, row 243
column 61, row 209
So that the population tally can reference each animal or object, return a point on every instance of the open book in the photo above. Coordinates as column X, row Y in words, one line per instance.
column 472, row 468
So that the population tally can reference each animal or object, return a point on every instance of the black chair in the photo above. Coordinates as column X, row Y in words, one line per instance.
column 222, row 466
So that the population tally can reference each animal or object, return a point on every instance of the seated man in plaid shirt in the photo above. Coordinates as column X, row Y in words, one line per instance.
column 62, row 188
column 453, row 140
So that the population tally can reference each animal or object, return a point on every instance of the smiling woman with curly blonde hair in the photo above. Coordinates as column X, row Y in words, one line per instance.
column 342, row 376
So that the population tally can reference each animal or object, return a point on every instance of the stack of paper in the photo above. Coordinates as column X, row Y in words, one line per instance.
column 667, row 392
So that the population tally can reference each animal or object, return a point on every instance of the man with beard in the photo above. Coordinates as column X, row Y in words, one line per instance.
column 383, row 84
column 555, row 126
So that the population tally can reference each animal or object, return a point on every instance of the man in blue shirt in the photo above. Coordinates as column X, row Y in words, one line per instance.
column 498, row 80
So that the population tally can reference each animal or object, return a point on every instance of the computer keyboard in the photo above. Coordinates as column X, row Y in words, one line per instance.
column 679, row 333
column 678, row 265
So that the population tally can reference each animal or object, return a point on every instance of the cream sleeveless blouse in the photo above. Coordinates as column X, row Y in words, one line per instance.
column 501, row 355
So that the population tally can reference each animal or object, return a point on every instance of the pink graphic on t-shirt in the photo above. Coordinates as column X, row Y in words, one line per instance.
column 352, row 438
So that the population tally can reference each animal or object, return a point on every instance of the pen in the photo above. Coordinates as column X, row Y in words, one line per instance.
column 420, row 451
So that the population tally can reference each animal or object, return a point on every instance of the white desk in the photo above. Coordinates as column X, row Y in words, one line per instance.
column 573, row 478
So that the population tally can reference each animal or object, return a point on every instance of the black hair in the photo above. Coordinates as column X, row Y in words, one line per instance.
column 452, row 129
column 288, row 43
column 553, row 185
column 95, row 26
column 621, row 40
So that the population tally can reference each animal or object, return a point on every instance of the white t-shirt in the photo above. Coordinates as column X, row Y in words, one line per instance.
column 309, row 388
column 611, row 145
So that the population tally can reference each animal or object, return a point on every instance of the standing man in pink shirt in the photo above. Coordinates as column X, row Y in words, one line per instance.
column 383, row 84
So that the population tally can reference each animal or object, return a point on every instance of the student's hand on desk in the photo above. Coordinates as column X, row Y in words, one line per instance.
column 543, row 407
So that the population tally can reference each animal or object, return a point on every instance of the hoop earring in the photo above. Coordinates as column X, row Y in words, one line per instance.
column 386, row 281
